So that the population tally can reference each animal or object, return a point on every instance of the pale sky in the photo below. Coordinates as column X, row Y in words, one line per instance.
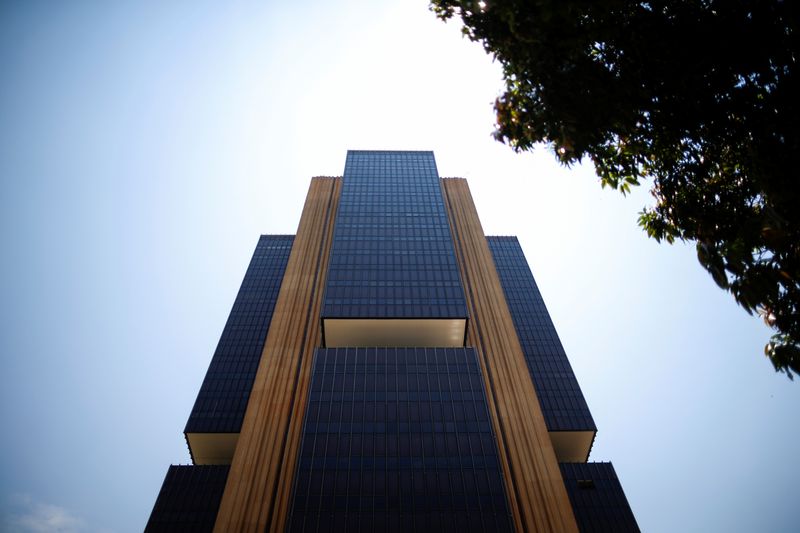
column 144, row 147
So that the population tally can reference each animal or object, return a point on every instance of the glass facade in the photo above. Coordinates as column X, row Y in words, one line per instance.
column 396, row 436
column 223, row 396
column 189, row 499
column 398, row 439
column 597, row 498
column 560, row 397
column 392, row 255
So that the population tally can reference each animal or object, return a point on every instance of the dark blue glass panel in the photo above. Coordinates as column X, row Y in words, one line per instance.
column 561, row 399
column 392, row 253
column 597, row 498
column 189, row 499
column 398, row 439
column 222, row 399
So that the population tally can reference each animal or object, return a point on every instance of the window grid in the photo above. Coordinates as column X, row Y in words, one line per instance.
column 223, row 396
column 398, row 439
column 597, row 498
column 561, row 399
column 392, row 255
column 189, row 499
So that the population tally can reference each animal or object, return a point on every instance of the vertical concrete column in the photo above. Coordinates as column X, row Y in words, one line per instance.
column 258, row 489
column 536, row 492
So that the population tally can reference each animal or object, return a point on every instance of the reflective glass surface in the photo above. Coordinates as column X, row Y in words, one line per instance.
column 597, row 498
column 561, row 399
column 222, row 399
column 392, row 254
column 189, row 499
column 398, row 439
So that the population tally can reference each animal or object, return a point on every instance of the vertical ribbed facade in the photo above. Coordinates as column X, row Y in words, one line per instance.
column 390, row 368
column 259, row 483
column 536, row 492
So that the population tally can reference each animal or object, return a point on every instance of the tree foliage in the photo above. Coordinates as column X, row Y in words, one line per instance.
column 698, row 97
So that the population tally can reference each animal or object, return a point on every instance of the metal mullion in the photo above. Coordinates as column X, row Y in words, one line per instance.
column 455, row 426
column 474, row 365
column 350, row 443
column 439, row 382
column 386, row 437
column 430, row 379
column 499, row 470
column 325, row 451
column 304, row 442
column 461, row 352
column 372, row 436
column 314, row 442
column 414, row 505
column 400, row 509
column 361, row 462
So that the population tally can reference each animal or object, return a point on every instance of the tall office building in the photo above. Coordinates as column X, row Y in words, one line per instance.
column 390, row 368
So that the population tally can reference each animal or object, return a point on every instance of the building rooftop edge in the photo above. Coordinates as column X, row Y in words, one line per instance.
column 390, row 151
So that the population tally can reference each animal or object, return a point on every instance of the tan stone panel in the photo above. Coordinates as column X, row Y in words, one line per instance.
column 259, row 483
column 536, row 492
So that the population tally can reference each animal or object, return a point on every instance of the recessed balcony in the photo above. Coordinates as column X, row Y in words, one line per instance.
column 399, row 332
column 212, row 448
column 572, row 446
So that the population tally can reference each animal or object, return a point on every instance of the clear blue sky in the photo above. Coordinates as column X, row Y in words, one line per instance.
column 144, row 146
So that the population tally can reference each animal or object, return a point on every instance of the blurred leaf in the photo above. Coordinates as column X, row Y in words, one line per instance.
column 698, row 98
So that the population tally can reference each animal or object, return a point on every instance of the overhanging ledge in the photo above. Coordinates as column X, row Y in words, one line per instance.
column 212, row 448
column 400, row 332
